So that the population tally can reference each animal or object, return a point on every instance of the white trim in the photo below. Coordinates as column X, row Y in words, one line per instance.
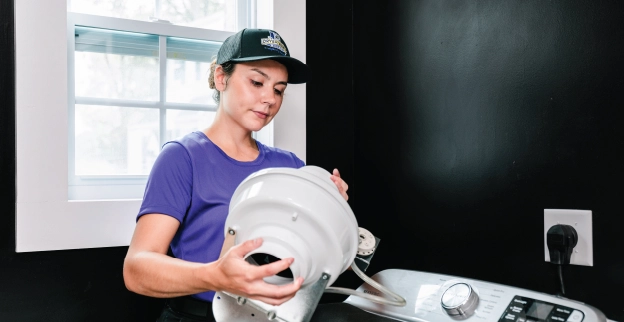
column 71, row 103
column 145, row 27
column 264, row 14
column 45, row 220
column 265, row 135
column 264, row 20
column 290, row 124
column 162, row 63
column 75, row 224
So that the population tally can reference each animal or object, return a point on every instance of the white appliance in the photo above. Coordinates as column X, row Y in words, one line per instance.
column 437, row 297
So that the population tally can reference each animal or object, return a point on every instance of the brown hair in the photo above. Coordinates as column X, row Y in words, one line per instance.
column 228, row 69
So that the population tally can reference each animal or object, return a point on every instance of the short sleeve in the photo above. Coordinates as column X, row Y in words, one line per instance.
column 170, row 183
column 298, row 161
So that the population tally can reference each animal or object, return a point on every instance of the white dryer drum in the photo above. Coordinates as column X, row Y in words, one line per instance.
column 299, row 213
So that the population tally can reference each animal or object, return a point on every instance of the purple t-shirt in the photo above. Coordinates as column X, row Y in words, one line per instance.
column 193, row 181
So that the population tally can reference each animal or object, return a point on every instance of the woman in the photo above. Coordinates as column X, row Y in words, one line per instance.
column 188, row 192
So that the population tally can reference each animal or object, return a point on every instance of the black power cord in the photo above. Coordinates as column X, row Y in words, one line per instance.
column 560, row 271
column 561, row 240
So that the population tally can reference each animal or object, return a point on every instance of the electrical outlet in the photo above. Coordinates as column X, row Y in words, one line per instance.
column 581, row 220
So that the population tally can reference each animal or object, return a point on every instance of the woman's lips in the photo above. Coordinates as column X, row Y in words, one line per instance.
column 261, row 115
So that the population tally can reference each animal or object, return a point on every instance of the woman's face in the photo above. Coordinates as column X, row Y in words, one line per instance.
column 253, row 94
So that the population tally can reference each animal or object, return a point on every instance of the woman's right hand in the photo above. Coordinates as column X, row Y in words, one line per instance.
column 235, row 275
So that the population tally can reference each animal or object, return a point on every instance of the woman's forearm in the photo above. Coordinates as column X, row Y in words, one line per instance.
column 158, row 275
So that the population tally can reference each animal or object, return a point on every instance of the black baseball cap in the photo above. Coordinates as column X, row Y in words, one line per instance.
column 258, row 44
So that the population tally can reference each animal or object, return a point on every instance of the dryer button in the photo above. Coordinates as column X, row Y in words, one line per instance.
column 576, row 316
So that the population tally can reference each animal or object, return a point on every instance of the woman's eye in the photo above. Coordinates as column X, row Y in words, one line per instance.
column 278, row 92
column 254, row 83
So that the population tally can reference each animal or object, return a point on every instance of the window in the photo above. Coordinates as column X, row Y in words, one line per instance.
column 139, row 79
column 46, row 217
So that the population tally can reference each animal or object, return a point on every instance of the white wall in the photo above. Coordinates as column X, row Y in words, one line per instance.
column 45, row 219
column 290, row 123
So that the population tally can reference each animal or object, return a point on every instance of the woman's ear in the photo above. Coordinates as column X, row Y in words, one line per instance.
column 219, row 78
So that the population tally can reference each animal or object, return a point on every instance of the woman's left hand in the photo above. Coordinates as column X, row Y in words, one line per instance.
column 341, row 184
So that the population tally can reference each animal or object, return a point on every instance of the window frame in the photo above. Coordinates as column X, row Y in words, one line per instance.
column 98, row 187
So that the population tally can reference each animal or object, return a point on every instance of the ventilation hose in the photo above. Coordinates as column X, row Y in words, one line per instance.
column 398, row 299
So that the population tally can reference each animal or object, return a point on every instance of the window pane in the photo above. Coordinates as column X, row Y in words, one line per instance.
column 112, row 140
column 118, row 65
column 180, row 123
column 129, row 9
column 188, row 68
column 209, row 14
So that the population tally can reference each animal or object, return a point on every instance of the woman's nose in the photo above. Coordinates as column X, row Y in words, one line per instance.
column 269, row 96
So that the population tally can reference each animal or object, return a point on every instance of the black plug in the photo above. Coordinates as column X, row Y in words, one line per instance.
column 561, row 240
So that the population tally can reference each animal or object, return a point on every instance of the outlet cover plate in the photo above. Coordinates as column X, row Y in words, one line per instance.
column 581, row 220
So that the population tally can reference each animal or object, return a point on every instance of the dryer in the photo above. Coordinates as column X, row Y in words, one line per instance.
column 435, row 297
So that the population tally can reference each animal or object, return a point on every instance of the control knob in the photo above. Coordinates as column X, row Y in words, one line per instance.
column 459, row 300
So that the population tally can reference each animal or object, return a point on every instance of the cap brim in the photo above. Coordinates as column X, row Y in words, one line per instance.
column 298, row 72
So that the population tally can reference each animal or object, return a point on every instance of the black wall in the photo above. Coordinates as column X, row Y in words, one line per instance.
column 469, row 119
column 455, row 124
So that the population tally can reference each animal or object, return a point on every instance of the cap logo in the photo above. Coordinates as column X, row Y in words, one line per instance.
column 274, row 42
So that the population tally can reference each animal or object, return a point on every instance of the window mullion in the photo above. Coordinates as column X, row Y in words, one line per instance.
column 142, row 104
column 157, row 9
column 242, row 14
column 253, row 13
column 163, row 87
column 116, row 102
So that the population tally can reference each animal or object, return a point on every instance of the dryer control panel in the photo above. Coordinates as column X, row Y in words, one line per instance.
column 442, row 298
column 524, row 309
